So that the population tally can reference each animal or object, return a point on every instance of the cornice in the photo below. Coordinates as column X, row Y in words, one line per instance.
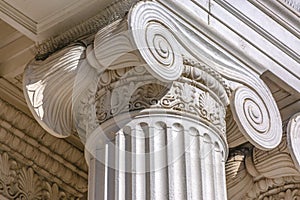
column 260, row 29
column 13, row 14
column 292, row 3
column 277, row 10
column 40, row 26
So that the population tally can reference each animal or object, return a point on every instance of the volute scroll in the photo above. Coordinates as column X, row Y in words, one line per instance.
column 257, row 117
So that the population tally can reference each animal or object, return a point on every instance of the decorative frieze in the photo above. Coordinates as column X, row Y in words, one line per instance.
column 272, row 189
column 18, row 181
column 137, row 90
column 32, row 146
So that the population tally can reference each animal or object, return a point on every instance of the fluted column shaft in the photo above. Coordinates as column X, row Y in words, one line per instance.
column 160, row 156
column 158, row 140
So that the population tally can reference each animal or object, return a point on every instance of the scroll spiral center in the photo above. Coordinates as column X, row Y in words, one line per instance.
column 256, row 114
column 159, row 46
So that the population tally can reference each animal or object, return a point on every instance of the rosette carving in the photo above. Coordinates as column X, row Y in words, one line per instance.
column 293, row 138
column 257, row 117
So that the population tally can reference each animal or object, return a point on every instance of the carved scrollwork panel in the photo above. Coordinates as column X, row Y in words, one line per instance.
column 135, row 89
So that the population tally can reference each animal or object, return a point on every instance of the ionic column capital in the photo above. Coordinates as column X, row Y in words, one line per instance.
column 61, row 90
